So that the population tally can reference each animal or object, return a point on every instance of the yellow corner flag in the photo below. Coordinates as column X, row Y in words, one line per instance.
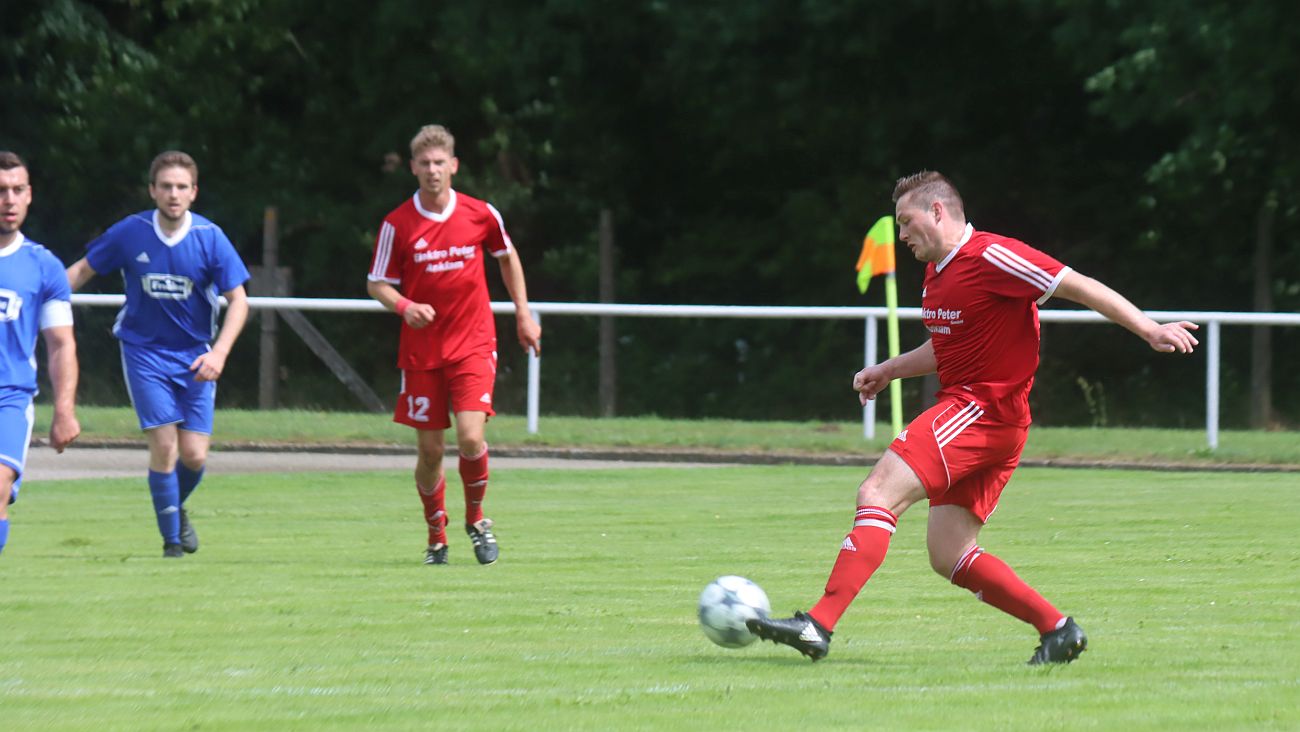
column 877, row 255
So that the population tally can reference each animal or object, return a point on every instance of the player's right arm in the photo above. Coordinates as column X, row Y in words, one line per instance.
column 416, row 314
column 873, row 379
column 79, row 274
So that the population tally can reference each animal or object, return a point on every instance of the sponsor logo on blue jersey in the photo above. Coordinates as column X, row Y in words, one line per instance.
column 167, row 286
column 11, row 305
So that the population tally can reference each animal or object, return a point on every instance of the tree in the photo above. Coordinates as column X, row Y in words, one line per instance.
column 1219, row 77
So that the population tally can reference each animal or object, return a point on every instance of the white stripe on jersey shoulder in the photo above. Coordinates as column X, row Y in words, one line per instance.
column 965, row 237
column 439, row 217
column 383, row 252
column 1051, row 290
column 502, row 226
column 180, row 234
column 1017, row 266
column 17, row 244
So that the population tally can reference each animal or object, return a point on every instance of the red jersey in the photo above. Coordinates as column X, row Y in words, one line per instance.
column 437, row 258
column 980, row 305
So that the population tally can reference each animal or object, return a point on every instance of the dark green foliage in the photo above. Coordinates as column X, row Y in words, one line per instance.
column 743, row 148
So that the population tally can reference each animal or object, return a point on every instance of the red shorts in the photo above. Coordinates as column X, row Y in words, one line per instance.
column 962, row 458
column 427, row 397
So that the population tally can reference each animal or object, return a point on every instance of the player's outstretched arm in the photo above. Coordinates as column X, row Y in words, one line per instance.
column 79, row 274
column 1166, row 338
column 209, row 366
column 529, row 332
column 873, row 379
column 416, row 314
column 61, row 353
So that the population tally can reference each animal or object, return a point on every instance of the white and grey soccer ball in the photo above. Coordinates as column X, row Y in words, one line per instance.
column 726, row 604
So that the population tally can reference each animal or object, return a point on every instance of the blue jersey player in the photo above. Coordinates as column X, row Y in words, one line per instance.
column 174, row 263
column 34, row 298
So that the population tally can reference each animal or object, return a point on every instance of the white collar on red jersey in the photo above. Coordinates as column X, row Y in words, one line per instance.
column 965, row 237
column 439, row 217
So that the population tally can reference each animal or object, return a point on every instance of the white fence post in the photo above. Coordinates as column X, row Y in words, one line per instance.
column 868, row 359
column 534, row 382
column 1212, row 386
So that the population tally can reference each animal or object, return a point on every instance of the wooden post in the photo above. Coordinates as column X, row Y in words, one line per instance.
column 608, row 337
column 268, row 364
column 1261, row 337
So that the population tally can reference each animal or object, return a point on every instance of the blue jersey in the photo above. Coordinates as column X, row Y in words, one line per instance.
column 33, row 294
column 172, row 283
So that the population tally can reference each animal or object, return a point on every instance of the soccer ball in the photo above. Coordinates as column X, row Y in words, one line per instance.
column 726, row 604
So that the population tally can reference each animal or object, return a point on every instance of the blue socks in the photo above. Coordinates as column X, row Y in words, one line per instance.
column 188, row 479
column 4, row 533
column 166, row 493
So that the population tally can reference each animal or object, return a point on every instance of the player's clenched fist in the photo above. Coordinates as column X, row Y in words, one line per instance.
column 869, row 382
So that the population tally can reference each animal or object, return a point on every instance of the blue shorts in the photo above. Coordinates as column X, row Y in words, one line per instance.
column 164, row 391
column 16, row 418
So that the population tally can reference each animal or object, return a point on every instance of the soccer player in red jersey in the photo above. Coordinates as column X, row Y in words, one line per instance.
column 428, row 268
column 980, row 305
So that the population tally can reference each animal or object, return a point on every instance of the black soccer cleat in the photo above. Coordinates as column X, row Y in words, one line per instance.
column 173, row 551
column 485, row 542
column 436, row 554
column 189, row 538
column 801, row 633
column 1062, row 645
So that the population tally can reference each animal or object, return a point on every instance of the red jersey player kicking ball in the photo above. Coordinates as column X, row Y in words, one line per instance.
column 980, row 305
column 428, row 268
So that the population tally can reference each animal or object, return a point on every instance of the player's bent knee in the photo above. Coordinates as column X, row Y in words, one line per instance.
column 942, row 564
column 471, row 448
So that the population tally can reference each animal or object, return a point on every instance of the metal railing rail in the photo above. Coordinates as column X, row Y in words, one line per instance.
column 1211, row 322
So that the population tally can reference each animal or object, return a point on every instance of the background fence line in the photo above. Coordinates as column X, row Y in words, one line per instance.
column 1210, row 335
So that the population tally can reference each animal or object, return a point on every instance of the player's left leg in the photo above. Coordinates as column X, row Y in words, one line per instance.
column 189, row 473
column 473, row 461
column 470, row 383
column 197, row 404
column 952, row 540
column 473, row 468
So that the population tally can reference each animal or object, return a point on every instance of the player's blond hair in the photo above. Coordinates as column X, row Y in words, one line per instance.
column 9, row 160
column 930, row 186
column 173, row 159
column 431, row 136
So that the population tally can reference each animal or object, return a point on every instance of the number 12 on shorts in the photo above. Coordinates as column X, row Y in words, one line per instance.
column 417, row 408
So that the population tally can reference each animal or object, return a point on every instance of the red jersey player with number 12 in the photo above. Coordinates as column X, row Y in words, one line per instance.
column 428, row 268
column 980, row 305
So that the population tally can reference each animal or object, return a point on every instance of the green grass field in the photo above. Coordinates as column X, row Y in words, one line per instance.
column 307, row 607
column 1146, row 446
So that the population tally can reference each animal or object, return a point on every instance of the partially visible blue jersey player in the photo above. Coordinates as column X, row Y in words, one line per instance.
column 174, row 263
column 34, row 299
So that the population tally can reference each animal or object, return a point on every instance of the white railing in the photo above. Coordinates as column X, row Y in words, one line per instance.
column 871, row 316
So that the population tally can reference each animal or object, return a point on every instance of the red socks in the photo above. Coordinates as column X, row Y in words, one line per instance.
column 995, row 583
column 435, row 511
column 474, row 474
column 860, row 555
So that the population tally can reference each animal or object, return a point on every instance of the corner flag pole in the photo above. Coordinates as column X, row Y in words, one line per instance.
column 895, row 386
column 877, row 257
